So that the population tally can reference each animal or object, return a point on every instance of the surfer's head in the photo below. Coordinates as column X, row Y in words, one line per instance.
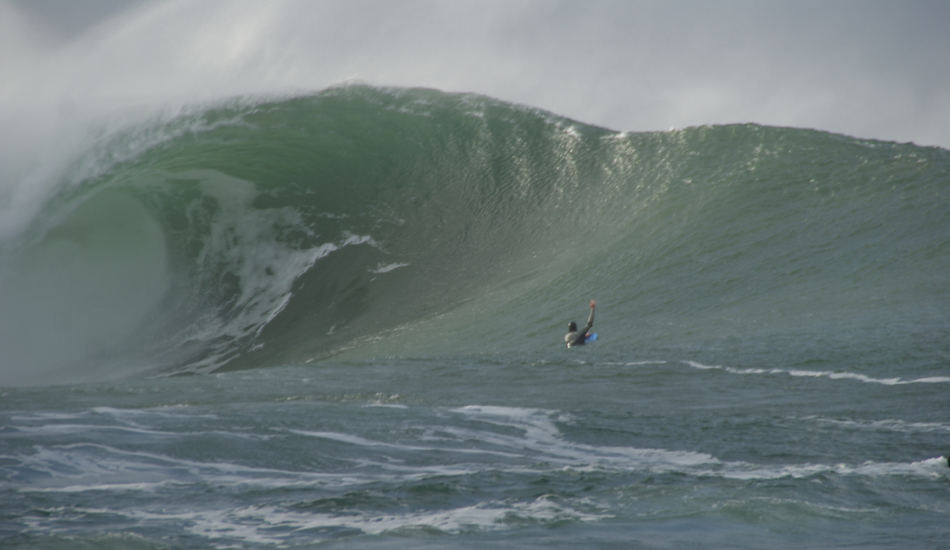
column 572, row 327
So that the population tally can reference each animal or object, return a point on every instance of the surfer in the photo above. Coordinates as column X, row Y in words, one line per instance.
column 576, row 337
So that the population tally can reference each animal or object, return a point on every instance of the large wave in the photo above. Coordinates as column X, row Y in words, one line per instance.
column 362, row 220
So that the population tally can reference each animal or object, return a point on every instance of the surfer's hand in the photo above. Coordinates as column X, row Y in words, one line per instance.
column 592, row 304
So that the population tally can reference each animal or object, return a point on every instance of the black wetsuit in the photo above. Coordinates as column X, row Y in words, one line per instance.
column 578, row 337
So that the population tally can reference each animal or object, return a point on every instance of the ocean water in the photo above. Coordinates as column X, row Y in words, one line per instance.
column 336, row 319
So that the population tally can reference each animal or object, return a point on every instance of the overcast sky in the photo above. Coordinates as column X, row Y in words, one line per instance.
column 869, row 69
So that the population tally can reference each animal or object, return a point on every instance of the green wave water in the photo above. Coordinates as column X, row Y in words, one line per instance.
column 377, row 222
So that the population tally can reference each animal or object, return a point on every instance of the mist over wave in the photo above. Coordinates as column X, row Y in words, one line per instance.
column 258, row 232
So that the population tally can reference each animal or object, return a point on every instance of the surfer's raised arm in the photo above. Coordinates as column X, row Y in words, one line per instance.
column 590, row 319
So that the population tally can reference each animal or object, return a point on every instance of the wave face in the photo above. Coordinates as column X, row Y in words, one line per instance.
column 366, row 221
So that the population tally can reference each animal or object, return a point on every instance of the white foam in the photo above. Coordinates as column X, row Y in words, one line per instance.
column 541, row 440
column 57, row 429
column 387, row 268
column 352, row 440
column 823, row 374
column 49, row 416
column 885, row 425
column 359, row 441
column 388, row 405
column 696, row 365
column 930, row 468
column 528, row 441
column 85, row 466
column 109, row 487
column 275, row 525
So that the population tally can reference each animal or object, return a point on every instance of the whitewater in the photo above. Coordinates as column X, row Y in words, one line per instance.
column 336, row 319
